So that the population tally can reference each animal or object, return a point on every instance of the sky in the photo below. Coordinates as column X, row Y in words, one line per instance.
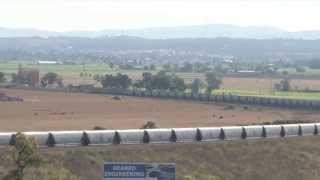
column 94, row 15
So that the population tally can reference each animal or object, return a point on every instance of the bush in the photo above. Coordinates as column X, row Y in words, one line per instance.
column 13, row 140
column 99, row 128
column 229, row 107
column 198, row 135
column 277, row 122
column 85, row 141
column 222, row 135
column 287, row 122
column 316, row 131
column 146, row 138
column 244, row 133
column 51, row 141
column 300, row 131
column 264, row 132
column 23, row 156
column 2, row 77
column 149, row 125
column 116, row 138
column 173, row 137
column 282, row 132
column 300, row 69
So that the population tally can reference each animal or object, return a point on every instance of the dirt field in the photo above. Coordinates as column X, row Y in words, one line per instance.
column 64, row 111
column 267, row 83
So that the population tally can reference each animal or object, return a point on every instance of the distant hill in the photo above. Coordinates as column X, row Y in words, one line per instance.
column 93, row 48
column 197, row 31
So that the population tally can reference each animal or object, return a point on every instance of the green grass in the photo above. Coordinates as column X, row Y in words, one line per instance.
column 274, row 94
column 67, row 71
column 282, row 159
column 308, row 72
column 60, row 69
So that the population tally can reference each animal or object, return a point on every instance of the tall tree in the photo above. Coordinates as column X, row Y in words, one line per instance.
column 187, row 67
column 147, row 80
column 195, row 86
column 119, row 81
column 50, row 78
column 214, row 81
column 177, row 84
column 24, row 155
column 2, row 77
column 285, row 84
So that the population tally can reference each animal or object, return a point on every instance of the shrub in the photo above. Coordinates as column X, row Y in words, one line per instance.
column 149, row 125
column 51, row 141
column 300, row 131
column 316, row 131
column 288, row 122
column 222, row 135
column 23, row 155
column 245, row 107
column 300, row 69
column 12, row 140
column 116, row 138
column 146, row 138
column 198, row 135
column 244, row 133
column 173, row 137
column 229, row 107
column 85, row 141
column 264, row 132
column 99, row 128
column 282, row 132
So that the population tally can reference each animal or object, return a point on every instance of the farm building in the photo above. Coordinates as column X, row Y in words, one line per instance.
column 47, row 62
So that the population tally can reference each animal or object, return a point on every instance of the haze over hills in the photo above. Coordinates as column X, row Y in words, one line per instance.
column 196, row 31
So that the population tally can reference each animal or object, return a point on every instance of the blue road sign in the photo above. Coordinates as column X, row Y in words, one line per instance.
column 139, row 171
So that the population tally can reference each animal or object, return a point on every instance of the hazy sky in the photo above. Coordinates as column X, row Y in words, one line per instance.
column 65, row 15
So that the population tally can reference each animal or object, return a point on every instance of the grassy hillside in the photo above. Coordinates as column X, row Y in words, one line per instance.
column 293, row 159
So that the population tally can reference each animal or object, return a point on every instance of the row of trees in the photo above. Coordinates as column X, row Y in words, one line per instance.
column 160, row 81
column 2, row 77
column 187, row 67
column 50, row 79
column 121, row 81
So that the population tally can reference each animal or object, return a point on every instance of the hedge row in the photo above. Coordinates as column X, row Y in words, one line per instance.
column 250, row 100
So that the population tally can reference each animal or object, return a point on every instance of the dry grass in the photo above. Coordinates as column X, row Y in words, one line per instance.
column 286, row 159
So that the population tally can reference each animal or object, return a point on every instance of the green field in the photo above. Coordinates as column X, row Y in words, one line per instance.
column 63, row 70
column 71, row 74
column 309, row 72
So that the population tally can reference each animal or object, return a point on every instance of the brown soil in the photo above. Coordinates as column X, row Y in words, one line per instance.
column 66, row 111
column 267, row 83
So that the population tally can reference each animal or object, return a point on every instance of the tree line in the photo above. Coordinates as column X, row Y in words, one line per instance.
column 161, row 81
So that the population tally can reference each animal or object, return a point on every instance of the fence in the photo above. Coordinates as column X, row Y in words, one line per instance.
column 157, row 136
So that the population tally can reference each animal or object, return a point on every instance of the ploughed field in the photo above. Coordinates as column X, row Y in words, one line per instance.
column 73, row 111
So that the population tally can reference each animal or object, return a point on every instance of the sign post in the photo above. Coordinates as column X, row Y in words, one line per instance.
column 138, row 171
